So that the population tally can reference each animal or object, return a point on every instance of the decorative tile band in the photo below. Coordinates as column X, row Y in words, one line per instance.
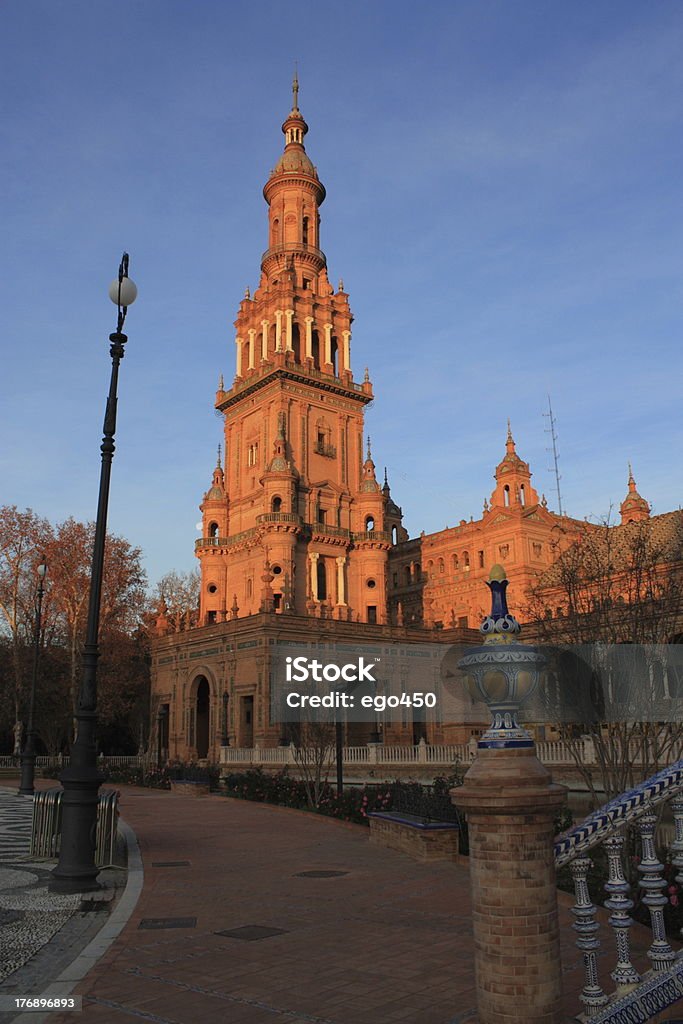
column 658, row 991
column 610, row 817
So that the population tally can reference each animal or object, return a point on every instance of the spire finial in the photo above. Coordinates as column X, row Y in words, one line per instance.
column 220, row 382
column 386, row 482
column 218, row 463
column 295, row 89
column 630, row 472
column 510, row 442
column 369, row 450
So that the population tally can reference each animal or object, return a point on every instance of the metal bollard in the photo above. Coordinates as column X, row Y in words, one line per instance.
column 47, row 825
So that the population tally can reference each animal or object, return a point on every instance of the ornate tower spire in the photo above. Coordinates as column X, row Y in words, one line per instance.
column 295, row 90
column 513, row 479
column 510, row 443
column 294, row 194
column 634, row 508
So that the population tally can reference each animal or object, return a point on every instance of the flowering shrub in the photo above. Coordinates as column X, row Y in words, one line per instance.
column 355, row 803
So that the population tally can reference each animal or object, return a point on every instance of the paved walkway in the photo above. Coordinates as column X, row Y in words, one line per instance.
column 236, row 925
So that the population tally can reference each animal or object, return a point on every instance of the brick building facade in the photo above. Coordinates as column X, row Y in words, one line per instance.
column 299, row 538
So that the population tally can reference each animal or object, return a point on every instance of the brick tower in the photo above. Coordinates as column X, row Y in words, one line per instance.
column 296, row 499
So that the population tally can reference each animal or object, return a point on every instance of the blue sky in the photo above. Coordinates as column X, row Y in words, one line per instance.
column 504, row 206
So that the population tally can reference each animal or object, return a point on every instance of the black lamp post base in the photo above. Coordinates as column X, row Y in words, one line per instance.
column 71, row 884
column 76, row 870
column 26, row 787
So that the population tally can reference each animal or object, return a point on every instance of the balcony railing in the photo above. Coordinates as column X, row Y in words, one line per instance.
column 328, row 450
column 380, row 535
column 303, row 369
column 331, row 531
column 293, row 247
column 279, row 517
column 224, row 542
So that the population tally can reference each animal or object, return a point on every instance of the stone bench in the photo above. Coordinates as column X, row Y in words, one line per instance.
column 409, row 833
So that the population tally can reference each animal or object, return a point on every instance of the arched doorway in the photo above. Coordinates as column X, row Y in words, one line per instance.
column 202, row 717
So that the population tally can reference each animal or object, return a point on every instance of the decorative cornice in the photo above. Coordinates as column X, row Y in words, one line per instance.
column 330, row 385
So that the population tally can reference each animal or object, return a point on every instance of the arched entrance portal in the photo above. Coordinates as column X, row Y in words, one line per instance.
column 202, row 717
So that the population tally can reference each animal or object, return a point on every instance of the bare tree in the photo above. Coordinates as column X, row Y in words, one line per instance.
column 177, row 595
column 123, row 588
column 24, row 537
column 615, row 586
column 314, row 753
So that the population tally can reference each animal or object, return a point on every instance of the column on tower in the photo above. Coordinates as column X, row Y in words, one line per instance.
column 289, row 313
column 346, row 351
column 278, row 330
column 341, row 589
column 313, row 573
column 328, row 344
column 309, row 338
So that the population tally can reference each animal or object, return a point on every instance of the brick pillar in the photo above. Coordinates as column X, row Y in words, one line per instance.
column 510, row 802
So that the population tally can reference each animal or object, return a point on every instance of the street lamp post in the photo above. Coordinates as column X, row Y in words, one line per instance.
column 28, row 755
column 76, row 870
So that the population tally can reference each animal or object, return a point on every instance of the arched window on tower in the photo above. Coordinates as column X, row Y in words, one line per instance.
column 442, row 567
column 466, row 559
column 334, row 347
column 213, row 529
column 406, row 573
column 522, row 495
column 394, row 535
column 322, row 580
column 315, row 348
column 506, row 495
column 276, row 232
column 369, row 524
column 277, row 504
column 296, row 342
column 456, row 562
column 304, row 231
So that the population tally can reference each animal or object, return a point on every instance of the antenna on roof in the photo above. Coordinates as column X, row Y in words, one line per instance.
column 551, row 430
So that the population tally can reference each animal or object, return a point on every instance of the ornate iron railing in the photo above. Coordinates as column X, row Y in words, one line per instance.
column 635, row 998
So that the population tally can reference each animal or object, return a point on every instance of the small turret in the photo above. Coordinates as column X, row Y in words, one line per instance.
column 513, row 479
column 634, row 508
